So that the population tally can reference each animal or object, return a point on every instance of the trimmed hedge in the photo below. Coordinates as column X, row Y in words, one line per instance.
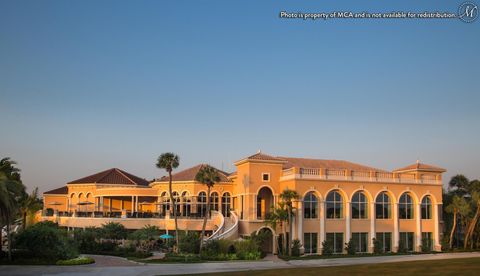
column 77, row 261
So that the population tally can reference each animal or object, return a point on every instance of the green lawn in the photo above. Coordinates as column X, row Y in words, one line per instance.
column 467, row 266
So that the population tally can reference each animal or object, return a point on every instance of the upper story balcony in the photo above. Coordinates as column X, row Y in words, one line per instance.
column 360, row 176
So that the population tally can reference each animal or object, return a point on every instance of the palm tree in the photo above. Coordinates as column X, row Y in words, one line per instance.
column 473, row 223
column 288, row 196
column 29, row 204
column 458, row 207
column 277, row 216
column 170, row 161
column 10, row 193
column 208, row 176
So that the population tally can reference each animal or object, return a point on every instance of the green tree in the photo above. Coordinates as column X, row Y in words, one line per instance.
column 279, row 216
column 113, row 231
column 460, row 184
column 11, row 191
column 170, row 161
column 148, row 232
column 458, row 207
column 288, row 196
column 208, row 176
column 29, row 204
column 473, row 223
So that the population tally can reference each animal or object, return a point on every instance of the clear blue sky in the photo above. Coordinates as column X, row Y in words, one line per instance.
column 90, row 85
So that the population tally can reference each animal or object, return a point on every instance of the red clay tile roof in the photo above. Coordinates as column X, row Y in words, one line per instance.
column 261, row 156
column 327, row 164
column 59, row 191
column 112, row 176
column 190, row 173
column 422, row 167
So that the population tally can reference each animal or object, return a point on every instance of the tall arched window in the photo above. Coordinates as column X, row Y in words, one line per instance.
column 165, row 203
column 186, row 204
column 334, row 205
column 176, row 201
column 214, row 201
column 359, row 205
column 426, row 208
column 383, row 206
column 405, row 206
column 310, row 206
column 226, row 199
column 202, row 204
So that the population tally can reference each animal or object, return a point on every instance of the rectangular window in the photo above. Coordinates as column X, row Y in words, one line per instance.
column 265, row 177
column 406, row 242
column 336, row 241
column 361, row 242
column 310, row 241
column 426, row 211
column 385, row 240
column 427, row 241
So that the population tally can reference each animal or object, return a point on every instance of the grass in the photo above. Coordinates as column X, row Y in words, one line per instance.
column 466, row 266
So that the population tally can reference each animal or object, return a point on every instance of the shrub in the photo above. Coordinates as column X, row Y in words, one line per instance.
column 327, row 248
column 46, row 241
column 188, row 242
column 148, row 232
column 377, row 246
column 113, row 231
column 247, row 250
column 426, row 245
column 296, row 248
column 76, row 261
column 86, row 239
column 351, row 247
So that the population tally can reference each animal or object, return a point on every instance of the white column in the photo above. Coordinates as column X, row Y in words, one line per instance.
column 133, row 200
column 418, row 220
column 300, row 221
column 347, row 222
column 101, row 205
column 436, row 234
column 136, row 203
column 321, row 205
column 372, row 225
column 396, row 234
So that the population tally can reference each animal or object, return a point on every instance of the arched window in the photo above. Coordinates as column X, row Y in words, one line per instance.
column 176, row 201
column 405, row 206
column 202, row 204
column 214, row 201
column 310, row 206
column 165, row 200
column 426, row 208
column 359, row 205
column 226, row 199
column 383, row 206
column 186, row 208
column 334, row 205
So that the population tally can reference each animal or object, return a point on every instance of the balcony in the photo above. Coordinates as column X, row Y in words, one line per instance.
column 360, row 176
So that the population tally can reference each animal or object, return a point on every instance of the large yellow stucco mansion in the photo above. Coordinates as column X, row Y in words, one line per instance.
column 339, row 201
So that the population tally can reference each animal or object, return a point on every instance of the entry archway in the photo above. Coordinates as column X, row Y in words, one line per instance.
column 268, row 242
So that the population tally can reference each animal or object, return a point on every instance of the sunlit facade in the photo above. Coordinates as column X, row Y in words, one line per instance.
column 338, row 201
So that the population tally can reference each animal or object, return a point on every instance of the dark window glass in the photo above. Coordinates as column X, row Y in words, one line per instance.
column 310, row 206
column 426, row 208
column 405, row 206
column 359, row 206
column 406, row 241
column 310, row 241
column 334, row 205
column 336, row 240
column 383, row 206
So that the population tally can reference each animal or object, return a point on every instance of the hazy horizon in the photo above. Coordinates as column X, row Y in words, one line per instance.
column 90, row 85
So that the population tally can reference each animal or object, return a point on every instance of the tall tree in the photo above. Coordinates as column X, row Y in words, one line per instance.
column 208, row 176
column 458, row 207
column 279, row 216
column 10, row 193
column 29, row 204
column 288, row 196
column 473, row 223
column 170, row 161
column 460, row 184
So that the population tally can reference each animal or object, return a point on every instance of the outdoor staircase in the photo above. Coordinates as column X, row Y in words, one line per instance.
column 228, row 228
